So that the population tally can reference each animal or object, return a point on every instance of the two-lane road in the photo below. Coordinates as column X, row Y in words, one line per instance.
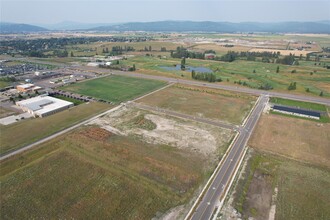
column 257, row 92
column 217, row 188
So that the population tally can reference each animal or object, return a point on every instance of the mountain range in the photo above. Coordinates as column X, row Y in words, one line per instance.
column 177, row 26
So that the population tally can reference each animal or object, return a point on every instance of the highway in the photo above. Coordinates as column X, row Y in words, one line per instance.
column 216, row 190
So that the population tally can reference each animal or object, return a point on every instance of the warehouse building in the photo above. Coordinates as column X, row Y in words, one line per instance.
column 27, row 88
column 297, row 112
column 42, row 106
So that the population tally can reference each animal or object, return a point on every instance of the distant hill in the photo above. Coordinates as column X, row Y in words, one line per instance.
column 19, row 28
column 72, row 25
column 209, row 26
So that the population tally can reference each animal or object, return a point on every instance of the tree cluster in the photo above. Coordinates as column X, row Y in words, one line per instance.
column 288, row 60
column 210, row 77
column 183, row 52
column 118, row 50
column 292, row 86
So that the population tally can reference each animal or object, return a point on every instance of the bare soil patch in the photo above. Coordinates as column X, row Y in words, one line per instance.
column 259, row 197
column 96, row 133
column 205, row 139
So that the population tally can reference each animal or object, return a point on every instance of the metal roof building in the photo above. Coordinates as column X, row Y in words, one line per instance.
column 42, row 106
column 296, row 111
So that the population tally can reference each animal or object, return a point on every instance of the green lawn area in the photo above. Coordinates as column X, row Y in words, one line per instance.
column 115, row 88
column 93, row 174
column 303, row 190
column 74, row 101
column 305, row 105
column 28, row 131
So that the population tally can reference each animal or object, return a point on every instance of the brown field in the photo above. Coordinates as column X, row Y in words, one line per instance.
column 219, row 48
column 280, row 187
column 203, row 102
column 299, row 139
column 284, row 52
column 104, row 177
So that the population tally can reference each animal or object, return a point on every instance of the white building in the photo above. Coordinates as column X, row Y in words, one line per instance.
column 42, row 106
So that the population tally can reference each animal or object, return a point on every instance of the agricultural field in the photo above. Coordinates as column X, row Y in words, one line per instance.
column 106, row 174
column 97, row 48
column 203, row 102
column 28, row 131
column 278, row 188
column 115, row 89
column 295, row 138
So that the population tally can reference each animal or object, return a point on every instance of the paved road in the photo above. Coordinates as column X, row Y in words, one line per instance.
column 54, row 135
column 211, row 199
column 227, row 87
column 185, row 116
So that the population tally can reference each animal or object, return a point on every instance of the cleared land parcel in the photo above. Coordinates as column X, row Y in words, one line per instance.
column 203, row 102
column 296, row 138
column 105, row 175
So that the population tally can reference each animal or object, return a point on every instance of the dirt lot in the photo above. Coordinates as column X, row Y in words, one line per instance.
column 295, row 138
column 156, row 128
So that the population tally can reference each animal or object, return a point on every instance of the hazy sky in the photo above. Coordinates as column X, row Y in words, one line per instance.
column 110, row 11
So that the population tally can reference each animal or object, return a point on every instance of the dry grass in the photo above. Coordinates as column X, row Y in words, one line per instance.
column 303, row 189
column 219, row 49
column 28, row 131
column 203, row 102
column 284, row 52
column 106, row 177
column 295, row 138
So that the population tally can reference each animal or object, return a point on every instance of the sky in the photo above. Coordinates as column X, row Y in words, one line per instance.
column 114, row 11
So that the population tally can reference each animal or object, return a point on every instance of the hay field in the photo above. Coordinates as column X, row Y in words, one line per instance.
column 299, row 139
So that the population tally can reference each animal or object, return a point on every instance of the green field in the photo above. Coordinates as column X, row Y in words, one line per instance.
column 74, row 101
column 307, row 76
column 28, row 131
column 93, row 174
column 303, row 190
column 115, row 89
column 305, row 105
column 203, row 102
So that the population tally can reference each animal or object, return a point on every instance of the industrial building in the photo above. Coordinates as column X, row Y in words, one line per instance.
column 27, row 87
column 42, row 106
column 297, row 112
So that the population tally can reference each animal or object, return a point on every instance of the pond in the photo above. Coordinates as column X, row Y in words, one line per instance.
column 199, row 69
